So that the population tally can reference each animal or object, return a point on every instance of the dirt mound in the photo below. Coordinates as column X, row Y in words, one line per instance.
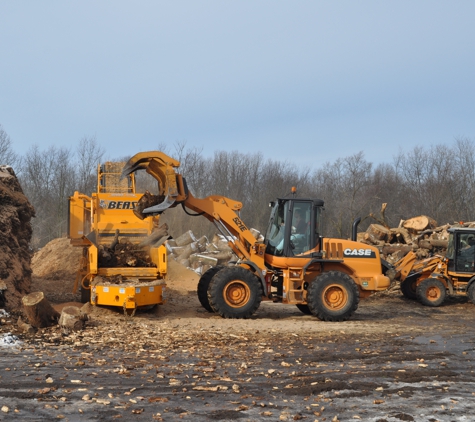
column 15, row 235
column 55, row 268
column 57, row 259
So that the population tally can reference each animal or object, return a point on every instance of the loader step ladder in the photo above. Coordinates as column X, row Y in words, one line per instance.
column 293, row 285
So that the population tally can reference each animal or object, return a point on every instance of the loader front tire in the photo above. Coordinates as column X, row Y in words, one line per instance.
column 203, row 286
column 333, row 296
column 431, row 292
column 409, row 288
column 304, row 309
column 471, row 292
column 85, row 292
column 235, row 292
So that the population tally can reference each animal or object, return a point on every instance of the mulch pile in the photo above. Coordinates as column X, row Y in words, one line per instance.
column 15, row 235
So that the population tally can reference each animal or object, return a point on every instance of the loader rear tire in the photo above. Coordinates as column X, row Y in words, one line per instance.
column 304, row 309
column 431, row 292
column 235, row 292
column 85, row 293
column 409, row 288
column 203, row 285
column 333, row 296
column 471, row 292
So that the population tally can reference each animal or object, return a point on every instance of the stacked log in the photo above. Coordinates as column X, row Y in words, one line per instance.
column 420, row 234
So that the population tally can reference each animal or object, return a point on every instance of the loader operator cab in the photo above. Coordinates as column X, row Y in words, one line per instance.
column 294, row 227
column 461, row 250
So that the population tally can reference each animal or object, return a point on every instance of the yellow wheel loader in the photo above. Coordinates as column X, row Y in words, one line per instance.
column 293, row 265
column 106, row 222
column 432, row 279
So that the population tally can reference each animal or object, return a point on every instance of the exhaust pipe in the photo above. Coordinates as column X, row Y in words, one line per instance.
column 355, row 228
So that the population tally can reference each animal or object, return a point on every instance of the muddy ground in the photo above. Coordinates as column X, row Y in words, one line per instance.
column 395, row 360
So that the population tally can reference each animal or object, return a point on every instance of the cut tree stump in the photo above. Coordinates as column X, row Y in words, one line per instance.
column 39, row 311
column 422, row 222
column 378, row 231
column 372, row 239
column 72, row 319
column 24, row 327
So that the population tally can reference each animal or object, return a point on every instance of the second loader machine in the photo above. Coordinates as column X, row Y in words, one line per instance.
column 293, row 265
column 432, row 279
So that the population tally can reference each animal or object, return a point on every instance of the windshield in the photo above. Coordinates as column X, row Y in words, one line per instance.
column 276, row 228
column 450, row 247
column 293, row 227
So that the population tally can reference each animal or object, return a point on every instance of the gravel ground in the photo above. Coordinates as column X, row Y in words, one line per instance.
column 395, row 360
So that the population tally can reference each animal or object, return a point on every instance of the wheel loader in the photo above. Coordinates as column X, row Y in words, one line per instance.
column 105, row 222
column 324, row 277
column 432, row 279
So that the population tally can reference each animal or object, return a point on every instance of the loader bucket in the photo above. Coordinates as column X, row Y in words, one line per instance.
column 159, row 208
column 142, row 160
column 162, row 168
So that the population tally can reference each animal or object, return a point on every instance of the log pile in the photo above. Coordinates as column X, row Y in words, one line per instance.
column 420, row 234
column 201, row 254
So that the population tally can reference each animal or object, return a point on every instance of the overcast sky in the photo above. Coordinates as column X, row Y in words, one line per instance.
column 303, row 81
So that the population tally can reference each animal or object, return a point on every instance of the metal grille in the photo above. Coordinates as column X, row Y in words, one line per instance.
column 110, row 181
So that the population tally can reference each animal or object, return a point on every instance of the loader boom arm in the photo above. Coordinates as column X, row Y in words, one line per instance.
column 221, row 211
column 410, row 265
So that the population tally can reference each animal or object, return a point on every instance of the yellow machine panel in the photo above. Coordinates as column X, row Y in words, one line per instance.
column 104, row 221
column 129, row 295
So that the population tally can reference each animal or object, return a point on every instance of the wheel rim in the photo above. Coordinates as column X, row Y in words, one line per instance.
column 236, row 293
column 433, row 293
column 335, row 297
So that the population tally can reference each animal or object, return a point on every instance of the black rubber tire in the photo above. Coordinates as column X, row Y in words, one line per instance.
column 409, row 288
column 85, row 293
column 336, row 287
column 431, row 292
column 471, row 292
column 203, row 285
column 235, row 292
column 304, row 309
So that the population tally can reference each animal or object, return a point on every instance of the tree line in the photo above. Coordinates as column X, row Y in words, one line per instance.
column 437, row 180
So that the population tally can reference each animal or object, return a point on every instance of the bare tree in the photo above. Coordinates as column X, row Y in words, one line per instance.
column 463, row 192
column 347, row 189
column 47, row 181
column 89, row 155
column 7, row 156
